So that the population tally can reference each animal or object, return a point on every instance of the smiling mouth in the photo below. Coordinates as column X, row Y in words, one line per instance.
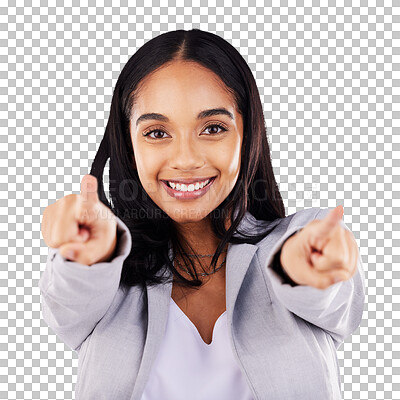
column 168, row 183
column 188, row 194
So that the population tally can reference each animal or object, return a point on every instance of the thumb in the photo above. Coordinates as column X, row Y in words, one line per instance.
column 71, row 250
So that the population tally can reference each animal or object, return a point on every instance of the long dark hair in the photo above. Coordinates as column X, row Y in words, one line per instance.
column 152, row 230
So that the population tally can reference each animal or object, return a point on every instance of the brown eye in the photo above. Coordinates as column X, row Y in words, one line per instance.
column 155, row 131
column 216, row 127
column 158, row 133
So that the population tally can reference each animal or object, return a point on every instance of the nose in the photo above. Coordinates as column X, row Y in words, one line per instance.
column 186, row 154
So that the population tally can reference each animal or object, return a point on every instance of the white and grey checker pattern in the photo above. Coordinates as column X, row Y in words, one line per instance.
column 328, row 75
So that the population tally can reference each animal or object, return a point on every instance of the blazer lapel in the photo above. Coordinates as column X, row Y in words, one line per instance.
column 238, row 261
column 158, row 298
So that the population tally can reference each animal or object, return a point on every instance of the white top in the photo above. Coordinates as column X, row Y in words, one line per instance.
column 188, row 368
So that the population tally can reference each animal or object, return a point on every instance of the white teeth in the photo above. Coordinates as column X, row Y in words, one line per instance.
column 188, row 188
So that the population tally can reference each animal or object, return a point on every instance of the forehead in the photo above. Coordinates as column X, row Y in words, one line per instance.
column 182, row 86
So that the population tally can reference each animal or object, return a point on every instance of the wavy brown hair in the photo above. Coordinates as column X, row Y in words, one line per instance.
column 152, row 230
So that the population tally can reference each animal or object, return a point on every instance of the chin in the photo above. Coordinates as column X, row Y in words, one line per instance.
column 187, row 215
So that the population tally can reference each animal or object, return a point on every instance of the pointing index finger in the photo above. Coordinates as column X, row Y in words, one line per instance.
column 89, row 188
column 326, row 226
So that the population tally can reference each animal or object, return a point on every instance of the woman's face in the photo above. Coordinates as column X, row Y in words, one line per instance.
column 174, row 139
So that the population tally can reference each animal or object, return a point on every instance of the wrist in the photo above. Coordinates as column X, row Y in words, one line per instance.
column 277, row 266
column 112, row 251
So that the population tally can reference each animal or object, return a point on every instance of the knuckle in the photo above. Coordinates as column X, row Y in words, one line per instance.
column 70, row 197
column 65, row 205
column 67, row 200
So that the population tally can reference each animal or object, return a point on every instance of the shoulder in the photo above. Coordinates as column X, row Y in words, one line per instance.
column 291, row 223
column 300, row 217
column 279, row 227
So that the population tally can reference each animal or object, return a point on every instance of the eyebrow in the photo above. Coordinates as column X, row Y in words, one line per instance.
column 203, row 114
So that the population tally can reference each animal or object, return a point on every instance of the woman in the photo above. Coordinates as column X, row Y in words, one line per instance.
column 196, row 285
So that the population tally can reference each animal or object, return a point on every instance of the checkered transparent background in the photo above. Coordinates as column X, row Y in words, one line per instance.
column 328, row 76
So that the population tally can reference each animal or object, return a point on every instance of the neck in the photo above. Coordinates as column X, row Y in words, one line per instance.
column 200, row 241
column 199, row 236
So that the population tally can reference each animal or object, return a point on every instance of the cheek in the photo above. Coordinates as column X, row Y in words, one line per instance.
column 228, row 164
column 229, row 159
column 147, row 166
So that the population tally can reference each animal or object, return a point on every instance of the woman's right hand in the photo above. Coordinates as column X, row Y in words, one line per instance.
column 81, row 226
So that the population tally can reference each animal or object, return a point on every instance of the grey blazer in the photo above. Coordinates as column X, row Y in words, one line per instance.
column 284, row 338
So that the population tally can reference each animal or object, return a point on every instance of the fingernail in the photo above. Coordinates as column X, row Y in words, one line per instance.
column 70, row 254
column 337, row 279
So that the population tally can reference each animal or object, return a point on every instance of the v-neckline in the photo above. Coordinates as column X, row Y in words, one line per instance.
column 194, row 326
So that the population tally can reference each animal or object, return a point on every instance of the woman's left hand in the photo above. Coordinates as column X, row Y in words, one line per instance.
column 322, row 253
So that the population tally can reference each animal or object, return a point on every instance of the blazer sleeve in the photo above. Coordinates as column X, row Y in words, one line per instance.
column 75, row 297
column 337, row 309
